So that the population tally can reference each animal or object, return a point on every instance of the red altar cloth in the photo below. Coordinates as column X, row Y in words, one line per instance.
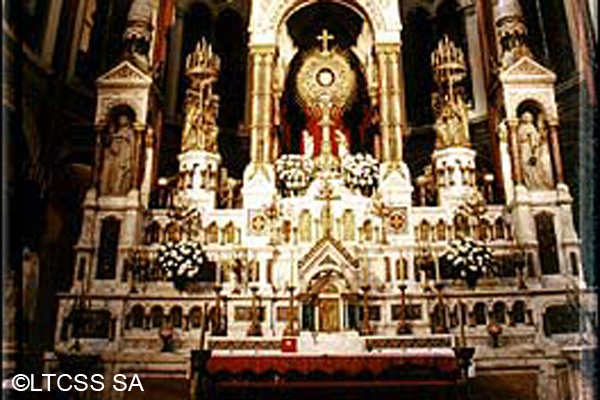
column 330, row 364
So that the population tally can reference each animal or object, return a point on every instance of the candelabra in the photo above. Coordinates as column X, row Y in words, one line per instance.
column 448, row 65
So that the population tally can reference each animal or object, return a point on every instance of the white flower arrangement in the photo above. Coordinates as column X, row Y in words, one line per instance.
column 361, row 172
column 468, row 260
column 294, row 173
column 182, row 262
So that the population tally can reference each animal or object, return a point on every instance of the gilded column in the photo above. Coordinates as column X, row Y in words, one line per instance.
column 390, row 102
column 383, row 105
column 261, row 106
column 515, row 154
column 555, row 146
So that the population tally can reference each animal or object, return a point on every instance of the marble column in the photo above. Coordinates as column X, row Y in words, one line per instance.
column 262, row 61
column 174, row 63
column 388, row 58
column 477, row 69
column 515, row 153
column 140, row 130
column 485, row 30
column 555, row 148
column 148, row 172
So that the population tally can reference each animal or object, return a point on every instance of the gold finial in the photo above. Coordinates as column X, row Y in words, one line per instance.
column 324, row 38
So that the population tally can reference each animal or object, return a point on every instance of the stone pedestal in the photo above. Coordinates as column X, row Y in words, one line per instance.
column 259, row 185
column 455, row 175
column 198, row 179
column 395, row 186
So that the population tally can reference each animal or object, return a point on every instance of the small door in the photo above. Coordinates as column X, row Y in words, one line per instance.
column 329, row 315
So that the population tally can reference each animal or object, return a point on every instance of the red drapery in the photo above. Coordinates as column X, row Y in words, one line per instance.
column 313, row 120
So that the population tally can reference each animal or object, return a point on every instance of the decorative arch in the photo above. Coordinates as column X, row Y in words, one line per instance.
column 480, row 314
column 380, row 18
column 157, row 316
column 499, row 312
column 195, row 317
column 518, row 312
column 137, row 316
column 176, row 316
column 328, row 279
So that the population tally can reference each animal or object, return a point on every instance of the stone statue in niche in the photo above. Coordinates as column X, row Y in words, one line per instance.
column 117, row 171
column 535, row 155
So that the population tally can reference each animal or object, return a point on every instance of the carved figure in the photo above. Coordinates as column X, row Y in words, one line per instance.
column 342, row 144
column 452, row 124
column 535, row 155
column 309, row 146
column 117, row 173
column 190, row 134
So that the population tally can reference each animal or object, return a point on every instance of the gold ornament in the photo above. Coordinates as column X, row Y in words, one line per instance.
column 326, row 77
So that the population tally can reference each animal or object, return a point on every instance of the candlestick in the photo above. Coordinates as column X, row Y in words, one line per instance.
column 255, row 328
column 290, row 329
column 461, row 322
column 366, row 326
column 403, row 326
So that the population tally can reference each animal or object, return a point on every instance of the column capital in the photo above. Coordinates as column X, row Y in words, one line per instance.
column 262, row 48
column 388, row 48
column 512, row 123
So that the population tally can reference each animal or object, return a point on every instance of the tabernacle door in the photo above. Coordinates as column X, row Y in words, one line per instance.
column 329, row 315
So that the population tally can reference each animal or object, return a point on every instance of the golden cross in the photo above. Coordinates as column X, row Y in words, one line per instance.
column 325, row 37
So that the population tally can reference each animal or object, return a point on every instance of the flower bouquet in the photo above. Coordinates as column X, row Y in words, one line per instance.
column 182, row 262
column 468, row 260
column 361, row 173
column 294, row 173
